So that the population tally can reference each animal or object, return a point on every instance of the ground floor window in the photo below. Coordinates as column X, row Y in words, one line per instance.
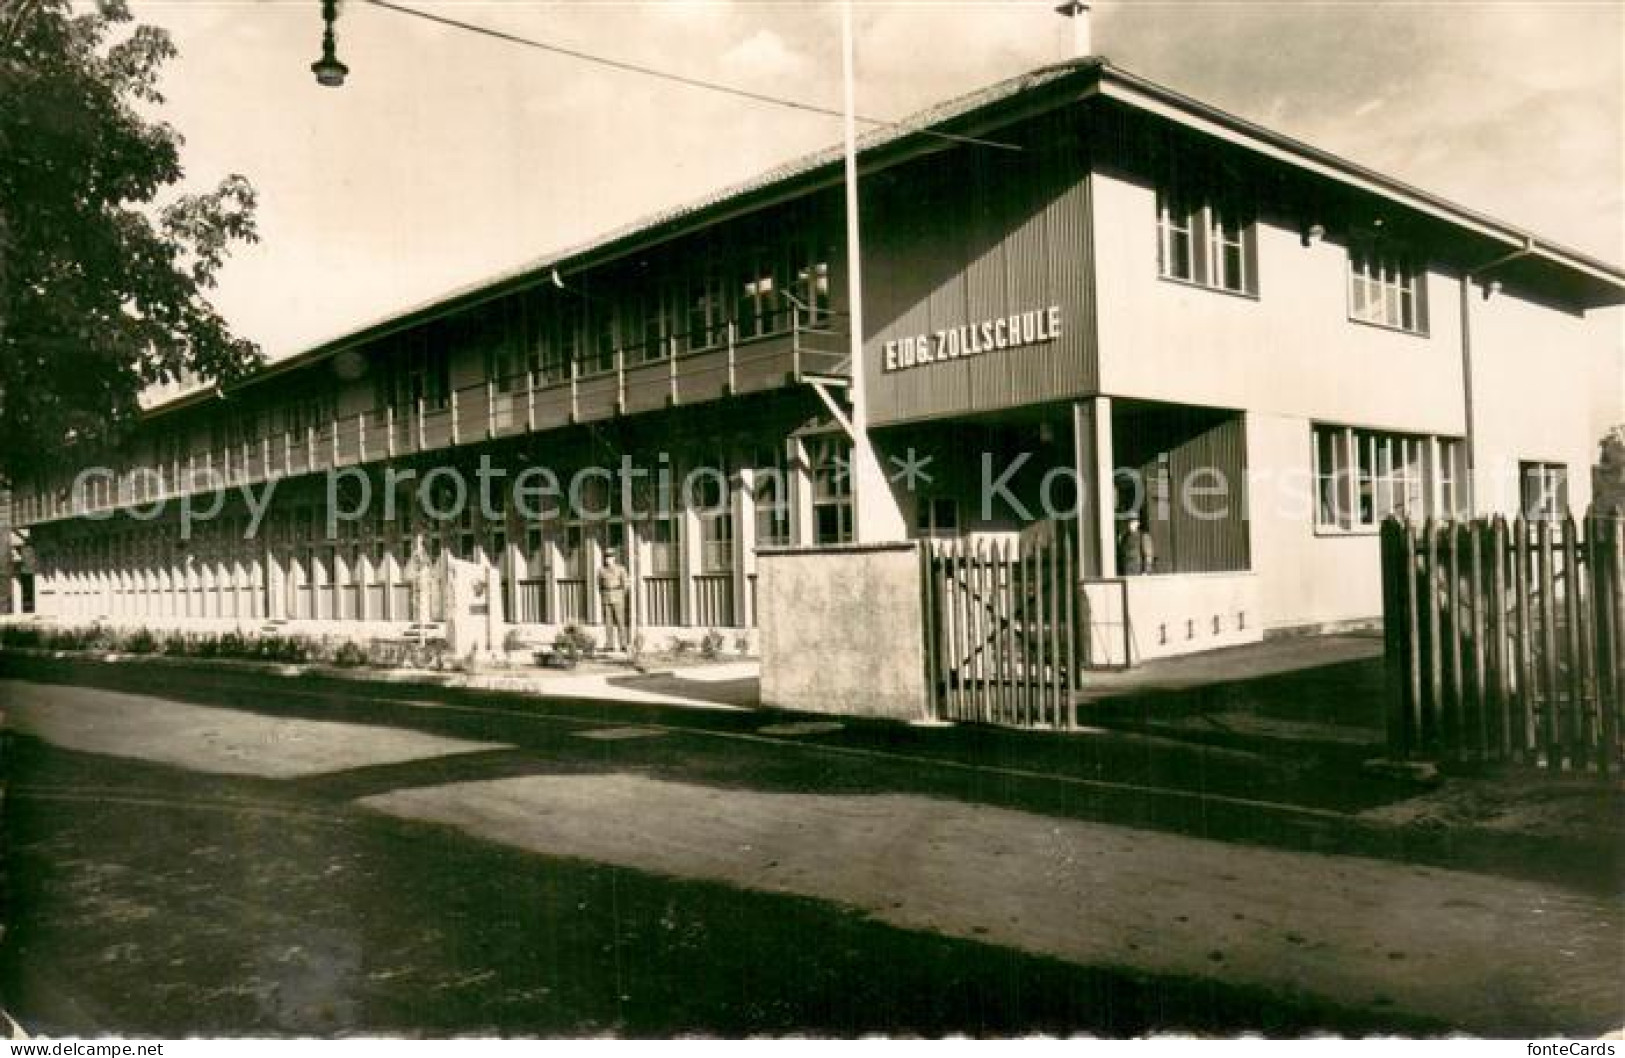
column 713, row 501
column 832, row 491
column 663, row 547
column 936, row 516
column 1543, row 489
column 1364, row 476
column 770, row 487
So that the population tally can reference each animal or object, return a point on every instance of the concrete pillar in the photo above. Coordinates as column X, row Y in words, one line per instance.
column 799, row 468
column 276, row 585
column 1097, row 527
column 744, row 546
column 688, row 558
column 592, row 552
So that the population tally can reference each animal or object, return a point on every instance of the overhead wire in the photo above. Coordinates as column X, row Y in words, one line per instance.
column 627, row 66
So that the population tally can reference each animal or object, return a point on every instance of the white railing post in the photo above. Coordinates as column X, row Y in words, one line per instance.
column 795, row 342
column 671, row 368
column 490, row 408
column 620, row 379
column 732, row 351
column 575, row 390
column 455, row 434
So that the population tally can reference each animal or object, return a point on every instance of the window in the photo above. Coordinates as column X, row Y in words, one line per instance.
column 1365, row 476
column 1449, row 500
column 599, row 352
column 420, row 373
column 832, row 491
column 1207, row 242
column 1386, row 289
column 706, row 315
column 572, row 551
column 770, row 485
column 497, row 335
column 936, row 516
column 555, row 343
column 713, row 503
column 811, row 287
column 1544, row 488
column 757, row 303
column 662, row 547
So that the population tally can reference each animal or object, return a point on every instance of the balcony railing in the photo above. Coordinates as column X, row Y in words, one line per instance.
column 670, row 372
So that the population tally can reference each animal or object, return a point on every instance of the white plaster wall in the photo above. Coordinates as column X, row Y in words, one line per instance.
column 1290, row 351
column 1547, row 385
column 1306, row 576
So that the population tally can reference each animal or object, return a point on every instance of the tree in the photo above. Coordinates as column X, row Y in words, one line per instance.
column 104, row 268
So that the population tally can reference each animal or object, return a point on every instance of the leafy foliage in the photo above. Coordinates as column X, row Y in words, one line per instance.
column 102, row 283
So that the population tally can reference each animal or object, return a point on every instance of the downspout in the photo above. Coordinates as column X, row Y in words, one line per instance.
column 1470, row 438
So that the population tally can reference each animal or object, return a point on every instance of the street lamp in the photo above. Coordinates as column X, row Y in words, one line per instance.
column 328, row 70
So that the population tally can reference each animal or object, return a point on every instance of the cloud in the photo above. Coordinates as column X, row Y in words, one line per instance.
column 764, row 57
column 450, row 156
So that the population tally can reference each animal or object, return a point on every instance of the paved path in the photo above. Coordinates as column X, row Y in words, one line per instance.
column 249, row 856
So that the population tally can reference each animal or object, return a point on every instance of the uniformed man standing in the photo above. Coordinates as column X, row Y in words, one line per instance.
column 612, row 588
column 1136, row 554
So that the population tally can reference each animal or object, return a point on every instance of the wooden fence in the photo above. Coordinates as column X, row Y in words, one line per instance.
column 1506, row 641
column 1001, row 630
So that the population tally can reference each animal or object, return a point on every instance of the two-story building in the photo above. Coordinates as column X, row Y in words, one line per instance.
column 1092, row 298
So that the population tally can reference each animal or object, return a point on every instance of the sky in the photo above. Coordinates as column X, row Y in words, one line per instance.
column 448, row 157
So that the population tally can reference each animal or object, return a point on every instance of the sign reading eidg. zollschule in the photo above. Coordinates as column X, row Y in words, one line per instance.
column 972, row 339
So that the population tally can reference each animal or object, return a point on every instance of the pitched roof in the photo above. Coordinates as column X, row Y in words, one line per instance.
column 1092, row 76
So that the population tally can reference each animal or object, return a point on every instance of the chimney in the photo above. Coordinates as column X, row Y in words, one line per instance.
column 1078, row 11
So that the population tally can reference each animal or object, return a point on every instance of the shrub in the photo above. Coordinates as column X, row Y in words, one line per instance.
column 21, row 636
column 711, row 645
column 679, row 646
column 140, row 641
column 574, row 642
column 349, row 655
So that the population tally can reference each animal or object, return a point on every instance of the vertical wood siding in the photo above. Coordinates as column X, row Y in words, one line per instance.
column 971, row 235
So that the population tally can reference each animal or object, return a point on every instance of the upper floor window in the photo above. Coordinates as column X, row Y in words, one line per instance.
column 420, row 373
column 707, row 320
column 758, row 303
column 1543, row 489
column 1386, row 288
column 810, row 285
column 1207, row 241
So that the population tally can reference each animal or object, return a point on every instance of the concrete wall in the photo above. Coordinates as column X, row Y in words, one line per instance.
column 843, row 630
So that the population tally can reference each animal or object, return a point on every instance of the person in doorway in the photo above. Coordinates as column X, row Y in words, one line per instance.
column 1136, row 553
column 612, row 589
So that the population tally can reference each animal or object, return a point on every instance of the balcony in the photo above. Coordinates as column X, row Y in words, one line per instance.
column 633, row 384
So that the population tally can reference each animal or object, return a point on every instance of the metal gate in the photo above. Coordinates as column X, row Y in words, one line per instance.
column 1001, row 636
